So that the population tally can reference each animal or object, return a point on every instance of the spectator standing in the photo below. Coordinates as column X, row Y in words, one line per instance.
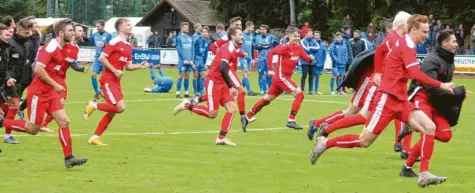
column 171, row 40
column 472, row 40
column 371, row 32
column 311, row 47
column 459, row 34
column 340, row 54
column 386, row 28
column 304, row 29
column 154, row 40
column 357, row 43
column 319, row 61
column 348, row 22
column 132, row 40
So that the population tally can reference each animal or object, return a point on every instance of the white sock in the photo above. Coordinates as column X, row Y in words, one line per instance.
column 177, row 92
column 186, row 92
column 291, row 120
column 7, row 136
column 95, row 136
column 407, row 166
column 94, row 106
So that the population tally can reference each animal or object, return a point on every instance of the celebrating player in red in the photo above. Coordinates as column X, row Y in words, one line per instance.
column 70, row 51
column 219, row 88
column 116, row 55
column 391, row 101
column 365, row 93
column 287, row 56
column 44, row 92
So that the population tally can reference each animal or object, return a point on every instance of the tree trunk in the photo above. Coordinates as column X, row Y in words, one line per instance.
column 292, row 13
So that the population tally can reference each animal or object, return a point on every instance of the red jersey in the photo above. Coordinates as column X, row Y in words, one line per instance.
column 228, row 53
column 51, row 57
column 287, row 59
column 381, row 54
column 220, row 42
column 119, row 53
column 402, row 64
column 70, row 53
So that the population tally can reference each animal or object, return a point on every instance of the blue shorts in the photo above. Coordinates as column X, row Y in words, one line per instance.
column 200, row 67
column 184, row 68
column 262, row 67
column 245, row 63
column 97, row 67
column 318, row 70
column 339, row 71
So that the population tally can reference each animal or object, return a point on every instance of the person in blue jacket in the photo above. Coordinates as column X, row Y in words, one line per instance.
column 246, row 63
column 341, row 56
column 184, row 47
column 311, row 47
column 201, row 48
column 263, row 43
column 99, row 39
column 198, row 29
column 320, row 59
column 422, row 48
column 220, row 30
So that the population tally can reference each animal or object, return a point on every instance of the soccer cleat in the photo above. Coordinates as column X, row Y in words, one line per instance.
column 321, row 130
column 46, row 129
column 74, row 161
column 146, row 89
column 311, row 129
column 10, row 140
column 425, row 179
column 407, row 172
column 96, row 141
column 320, row 147
column 406, row 130
column 332, row 93
column 224, row 141
column 180, row 107
column 244, row 122
column 187, row 96
column 21, row 115
column 397, row 147
column 319, row 93
column 251, row 94
column 293, row 125
column 89, row 110
column 195, row 100
column 178, row 96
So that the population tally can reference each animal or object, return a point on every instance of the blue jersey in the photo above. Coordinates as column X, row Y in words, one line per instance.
column 201, row 48
column 247, row 43
column 264, row 43
column 98, row 38
column 340, row 53
column 196, row 35
column 184, row 47
column 284, row 40
column 311, row 47
column 221, row 34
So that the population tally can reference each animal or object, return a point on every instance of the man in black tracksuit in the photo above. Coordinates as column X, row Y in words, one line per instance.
column 18, row 58
column 4, row 37
column 442, row 107
column 358, row 44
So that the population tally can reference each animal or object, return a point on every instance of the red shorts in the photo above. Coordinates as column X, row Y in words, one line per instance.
column 234, row 80
column 421, row 101
column 280, row 85
column 386, row 108
column 112, row 92
column 39, row 104
column 218, row 94
column 365, row 94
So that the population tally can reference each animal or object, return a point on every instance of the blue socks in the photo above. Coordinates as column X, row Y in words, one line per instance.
column 186, row 84
column 95, row 85
column 195, row 86
column 247, row 84
column 202, row 85
column 178, row 85
column 332, row 84
column 316, row 83
column 340, row 80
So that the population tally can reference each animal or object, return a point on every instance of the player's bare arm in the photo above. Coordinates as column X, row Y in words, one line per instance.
column 41, row 72
column 131, row 67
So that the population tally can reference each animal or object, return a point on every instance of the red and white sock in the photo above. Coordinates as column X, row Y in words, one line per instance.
column 226, row 124
column 415, row 152
column 17, row 125
column 330, row 118
column 296, row 106
column 346, row 122
column 107, row 107
column 398, row 127
column 12, row 110
column 64, row 135
column 103, row 124
column 241, row 101
column 344, row 141
column 427, row 147
column 198, row 109
column 257, row 107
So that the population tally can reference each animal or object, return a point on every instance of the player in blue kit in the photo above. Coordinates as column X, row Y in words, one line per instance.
column 100, row 40
column 246, row 63
column 263, row 43
column 184, row 47
column 201, row 48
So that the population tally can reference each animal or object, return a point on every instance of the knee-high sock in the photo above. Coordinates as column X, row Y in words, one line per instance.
column 340, row 80
column 330, row 118
column 261, row 83
column 195, row 86
column 346, row 122
column 344, row 141
column 64, row 136
column 202, row 85
column 296, row 106
column 12, row 110
column 178, row 85
column 241, row 100
column 16, row 125
column 226, row 124
column 103, row 124
column 107, row 107
column 186, row 85
column 316, row 83
column 427, row 147
column 198, row 109
column 95, row 85
column 415, row 153
column 247, row 84
column 332, row 84
column 398, row 126
column 257, row 107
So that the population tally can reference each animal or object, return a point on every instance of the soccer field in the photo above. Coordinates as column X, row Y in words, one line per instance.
column 150, row 150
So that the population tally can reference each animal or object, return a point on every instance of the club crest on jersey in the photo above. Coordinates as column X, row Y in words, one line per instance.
column 57, row 67
column 123, row 59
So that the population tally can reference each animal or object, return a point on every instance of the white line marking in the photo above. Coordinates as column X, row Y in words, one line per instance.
column 158, row 133
column 169, row 99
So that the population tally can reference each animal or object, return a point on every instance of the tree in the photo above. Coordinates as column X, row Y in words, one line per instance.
column 293, row 22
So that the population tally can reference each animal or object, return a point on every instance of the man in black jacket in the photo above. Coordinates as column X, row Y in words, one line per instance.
column 358, row 44
column 18, row 58
column 4, row 37
column 439, row 65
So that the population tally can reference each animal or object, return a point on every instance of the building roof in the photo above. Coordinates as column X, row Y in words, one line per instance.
column 195, row 11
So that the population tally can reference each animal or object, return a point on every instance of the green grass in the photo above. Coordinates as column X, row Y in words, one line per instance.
column 262, row 161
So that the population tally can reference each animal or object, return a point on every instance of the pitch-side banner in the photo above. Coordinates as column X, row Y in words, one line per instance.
column 151, row 55
column 463, row 64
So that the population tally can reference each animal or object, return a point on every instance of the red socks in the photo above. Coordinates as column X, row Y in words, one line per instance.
column 330, row 119
column 226, row 124
column 64, row 135
column 107, row 107
column 47, row 120
column 198, row 109
column 344, row 141
column 349, row 121
column 257, row 107
column 17, row 125
column 103, row 124
column 241, row 101
column 12, row 110
column 443, row 136
column 296, row 105
column 398, row 125
column 427, row 147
